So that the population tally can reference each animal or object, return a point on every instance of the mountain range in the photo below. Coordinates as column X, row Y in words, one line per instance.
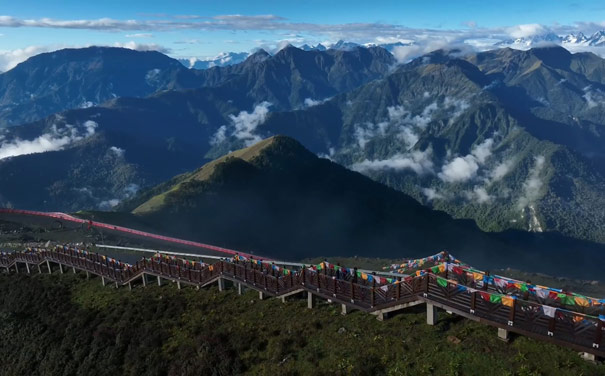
column 78, row 78
column 221, row 60
column 278, row 199
column 511, row 139
column 96, row 156
column 597, row 39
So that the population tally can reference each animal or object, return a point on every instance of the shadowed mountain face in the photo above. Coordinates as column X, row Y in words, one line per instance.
column 511, row 139
column 294, row 78
column 151, row 139
column 76, row 78
column 79, row 78
column 280, row 200
column 508, row 148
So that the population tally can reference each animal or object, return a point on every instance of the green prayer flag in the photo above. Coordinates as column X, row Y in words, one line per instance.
column 566, row 299
column 495, row 298
column 435, row 269
column 442, row 282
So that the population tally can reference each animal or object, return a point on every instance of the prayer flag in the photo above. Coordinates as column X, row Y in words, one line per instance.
column 508, row 301
column 549, row 311
column 442, row 282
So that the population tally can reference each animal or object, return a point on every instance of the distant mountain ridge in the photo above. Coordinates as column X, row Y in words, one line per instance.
column 77, row 78
column 508, row 138
column 147, row 140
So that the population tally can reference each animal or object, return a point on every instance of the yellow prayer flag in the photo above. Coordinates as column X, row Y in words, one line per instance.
column 582, row 302
column 478, row 276
column 508, row 301
column 441, row 268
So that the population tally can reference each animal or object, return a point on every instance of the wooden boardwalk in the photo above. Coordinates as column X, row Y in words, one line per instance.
column 576, row 327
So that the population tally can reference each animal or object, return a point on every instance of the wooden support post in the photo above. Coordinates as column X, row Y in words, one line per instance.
column 431, row 314
column 39, row 269
column 381, row 315
column 221, row 284
column 503, row 335
column 344, row 309
column 310, row 300
column 261, row 295
column 144, row 279
column 73, row 269
column 61, row 268
column 178, row 284
column 27, row 268
column 551, row 327
column 473, row 302
column 283, row 299
column 16, row 267
column 103, row 281
column 48, row 265
column 588, row 357
column 87, row 275
column 159, row 281
column 239, row 289
column 117, row 286
column 129, row 286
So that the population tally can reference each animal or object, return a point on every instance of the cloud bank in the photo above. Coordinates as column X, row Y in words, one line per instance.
column 243, row 126
column 55, row 140
column 533, row 185
column 461, row 169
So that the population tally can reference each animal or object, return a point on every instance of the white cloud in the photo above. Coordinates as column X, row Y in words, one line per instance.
column 461, row 169
column 132, row 45
column 526, row 30
column 219, row 136
column 593, row 98
column 480, row 195
column 459, row 106
column 243, row 125
column 10, row 58
column 119, row 152
column 139, row 35
column 56, row 139
column 431, row 194
column 533, row 184
column 109, row 204
column 501, row 170
column 483, row 151
column 418, row 161
column 128, row 192
column 309, row 102
column 400, row 123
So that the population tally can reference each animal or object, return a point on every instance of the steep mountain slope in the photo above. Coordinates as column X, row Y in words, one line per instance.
column 295, row 78
column 278, row 199
column 168, row 132
column 511, row 139
column 75, row 78
column 440, row 130
column 148, row 141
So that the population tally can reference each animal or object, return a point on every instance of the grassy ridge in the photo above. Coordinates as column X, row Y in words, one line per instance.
column 63, row 324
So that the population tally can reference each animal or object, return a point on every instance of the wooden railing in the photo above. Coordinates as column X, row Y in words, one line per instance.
column 580, row 329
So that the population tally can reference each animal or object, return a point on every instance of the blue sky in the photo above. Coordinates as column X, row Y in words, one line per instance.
column 188, row 28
